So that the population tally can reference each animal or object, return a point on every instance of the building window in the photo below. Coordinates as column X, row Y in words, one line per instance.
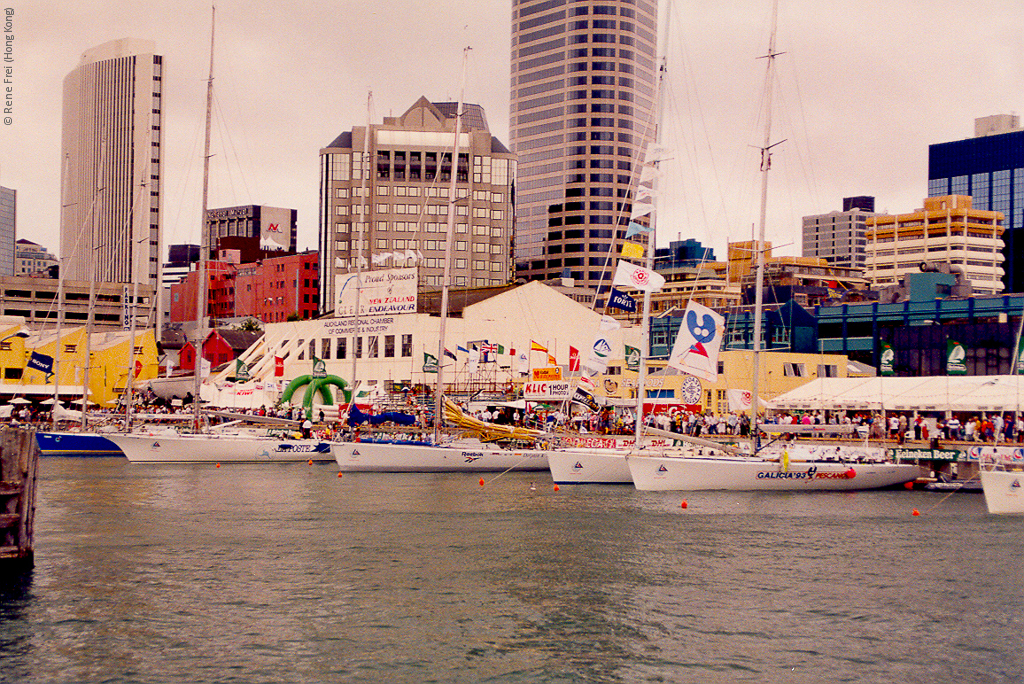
column 389, row 346
column 371, row 347
column 406, row 346
column 341, row 347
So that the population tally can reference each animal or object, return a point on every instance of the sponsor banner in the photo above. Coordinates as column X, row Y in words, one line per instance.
column 554, row 373
column 539, row 391
column 994, row 454
column 346, row 326
column 924, row 454
column 584, row 442
column 275, row 228
column 384, row 292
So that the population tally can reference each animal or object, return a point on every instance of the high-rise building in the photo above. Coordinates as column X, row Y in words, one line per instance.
column 253, row 229
column 111, row 164
column 990, row 168
column 8, row 229
column 409, row 160
column 947, row 230
column 838, row 237
column 582, row 111
column 33, row 259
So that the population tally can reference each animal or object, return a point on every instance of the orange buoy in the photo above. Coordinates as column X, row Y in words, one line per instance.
column 684, row 504
column 310, row 462
column 339, row 474
column 556, row 488
column 908, row 485
column 481, row 482
column 916, row 512
column 218, row 465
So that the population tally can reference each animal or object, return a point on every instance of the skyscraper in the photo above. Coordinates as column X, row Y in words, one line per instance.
column 582, row 111
column 111, row 164
column 8, row 226
column 990, row 168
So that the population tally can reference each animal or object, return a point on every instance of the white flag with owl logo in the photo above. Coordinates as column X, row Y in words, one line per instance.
column 697, row 342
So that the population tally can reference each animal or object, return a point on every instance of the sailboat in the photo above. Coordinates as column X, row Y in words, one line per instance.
column 471, row 451
column 228, row 443
column 1002, row 485
column 789, row 466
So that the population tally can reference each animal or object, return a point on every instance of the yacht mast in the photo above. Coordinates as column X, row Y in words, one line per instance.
column 449, row 237
column 766, row 164
column 203, row 285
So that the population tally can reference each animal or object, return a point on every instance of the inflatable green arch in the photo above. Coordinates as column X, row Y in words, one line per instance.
column 313, row 387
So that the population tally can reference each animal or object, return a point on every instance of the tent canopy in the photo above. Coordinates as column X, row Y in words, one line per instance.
column 930, row 393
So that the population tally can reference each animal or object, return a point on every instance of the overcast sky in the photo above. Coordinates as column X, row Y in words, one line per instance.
column 862, row 90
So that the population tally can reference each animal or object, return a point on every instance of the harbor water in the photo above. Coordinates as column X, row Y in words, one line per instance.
column 288, row 573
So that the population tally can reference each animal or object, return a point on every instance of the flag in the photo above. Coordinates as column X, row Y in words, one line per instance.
column 632, row 358
column 474, row 360
column 632, row 250
column 461, row 348
column 637, row 277
column 41, row 362
column 886, row 358
column 501, row 349
column 597, row 361
column 552, row 361
column 319, row 368
column 643, row 203
column 956, row 357
column 278, row 367
column 522, row 362
column 574, row 359
column 582, row 396
column 429, row 363
column 486, row 349
column 241, row 370
column 204, row 367
column 621, row 300
column 697, row 342
column 635, row 228
column 536, row 347
column 449, row 354
column 739, row 400
column 588, row 384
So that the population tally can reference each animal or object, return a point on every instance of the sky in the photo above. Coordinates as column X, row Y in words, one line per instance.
column 861, row 89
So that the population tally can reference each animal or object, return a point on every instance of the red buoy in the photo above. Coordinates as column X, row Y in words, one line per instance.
column 556, row 488
column 684, row 504
column 916, row 512
column 218, row 465
column 481, row 482
column 310, row 461
column 908, row 485
column 339, row 474
column 850, row 474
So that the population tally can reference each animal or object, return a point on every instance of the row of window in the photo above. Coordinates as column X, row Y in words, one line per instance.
column 416, row 227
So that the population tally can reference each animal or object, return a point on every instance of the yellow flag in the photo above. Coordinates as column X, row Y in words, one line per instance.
column 631, row 250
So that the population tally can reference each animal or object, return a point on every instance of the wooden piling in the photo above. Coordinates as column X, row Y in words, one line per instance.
column 19, row 460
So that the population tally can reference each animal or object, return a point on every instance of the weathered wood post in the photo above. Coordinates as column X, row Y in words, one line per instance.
column 19, row 460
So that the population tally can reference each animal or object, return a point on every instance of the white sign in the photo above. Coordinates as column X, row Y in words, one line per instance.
column 386, row 292
column 275, row 228
column 541, row 391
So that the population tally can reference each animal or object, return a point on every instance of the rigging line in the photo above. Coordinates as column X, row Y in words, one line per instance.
column 229, row 147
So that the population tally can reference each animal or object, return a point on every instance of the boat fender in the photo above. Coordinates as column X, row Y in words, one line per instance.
column 850, row 474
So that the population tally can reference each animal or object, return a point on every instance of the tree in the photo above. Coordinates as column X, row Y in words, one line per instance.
column 249, row 325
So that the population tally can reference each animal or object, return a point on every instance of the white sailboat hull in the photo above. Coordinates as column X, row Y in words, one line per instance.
column 755, row 474
column 1004, row 491
column 589, row 467
column 373, row 457
column 228, row 448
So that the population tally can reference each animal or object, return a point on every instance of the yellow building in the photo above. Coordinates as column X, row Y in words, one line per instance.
column 111, row 353
column 779, row 372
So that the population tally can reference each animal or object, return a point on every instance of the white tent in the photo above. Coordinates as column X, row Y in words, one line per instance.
column 930, row 393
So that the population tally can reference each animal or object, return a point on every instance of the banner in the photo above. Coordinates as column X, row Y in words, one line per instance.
column 242, row 370
column 601, row 349
column 697, row 342
column 554, row 373
column 204, row 368
column 41, row 362
column 886, row 358
column 632, row 358
column 638, row 277
column 275, row 228
column 574, row 359
column 319, row 368
column 1019, row 368
column 383, row 292
column 557, row 390
column 582, row 396
column 621, row 300
column 473, row 365
column 429, row 363
column 278, row 367
column 956, row 358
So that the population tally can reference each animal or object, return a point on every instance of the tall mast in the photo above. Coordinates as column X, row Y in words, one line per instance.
column 766, row 164
column 60, row 305
column 449, row 237
column 90, row 317
column 203, row 239
column 363, row 220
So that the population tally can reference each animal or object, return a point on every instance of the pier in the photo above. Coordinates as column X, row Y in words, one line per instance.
column 19, row 460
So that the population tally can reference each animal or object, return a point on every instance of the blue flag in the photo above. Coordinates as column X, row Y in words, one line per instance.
column 621, row 300
column 41, row 362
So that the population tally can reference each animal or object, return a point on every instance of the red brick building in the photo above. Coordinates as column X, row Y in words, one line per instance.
column 271, row 290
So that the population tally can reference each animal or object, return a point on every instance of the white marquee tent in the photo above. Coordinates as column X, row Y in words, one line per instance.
column 932, row 393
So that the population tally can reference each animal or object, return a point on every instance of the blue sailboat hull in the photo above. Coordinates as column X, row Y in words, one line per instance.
column 76, row 445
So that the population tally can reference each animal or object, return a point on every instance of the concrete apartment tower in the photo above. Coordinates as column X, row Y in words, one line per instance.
column 582, row 110
column 111, row 165
column 409, row 160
